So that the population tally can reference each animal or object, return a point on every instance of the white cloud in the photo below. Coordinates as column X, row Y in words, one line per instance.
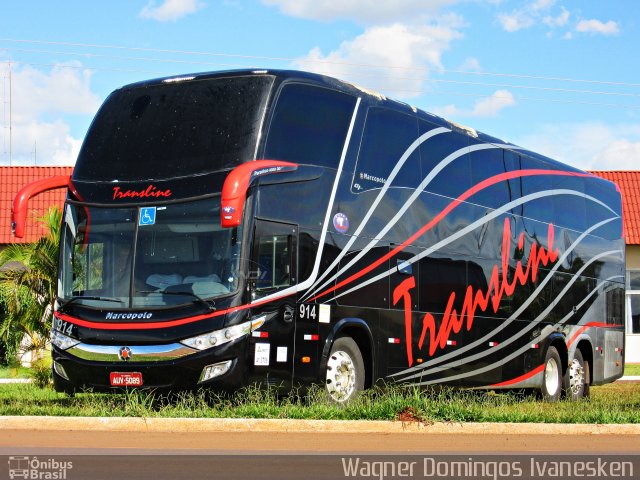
column 364, row 11
column 170, row 10
column 405, row 54
column 485, row 107
column 598, row 27
column 471, row 64
column 512, row 22
column 39, row 100
column 559, row 21
column 42, row 143
column 540, row 5
column 529, row 15
column 65, row 89
column 590, row 146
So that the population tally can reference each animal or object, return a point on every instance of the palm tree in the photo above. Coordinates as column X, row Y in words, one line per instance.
column 28, row 280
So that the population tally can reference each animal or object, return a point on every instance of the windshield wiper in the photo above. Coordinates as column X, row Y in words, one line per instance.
column 89, row 297
column 195, row 296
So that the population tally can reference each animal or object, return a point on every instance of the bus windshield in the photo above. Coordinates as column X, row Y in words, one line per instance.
column 142, row 257
column 175, row 129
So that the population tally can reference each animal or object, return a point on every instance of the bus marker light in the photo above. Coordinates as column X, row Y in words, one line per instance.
column 59, row 369
column 312, row 337
column 260, row 334
column 215, row 370
column 306, row 359
column 535, row 345
column 493, row 344
column 452, row 343
column 394, row 340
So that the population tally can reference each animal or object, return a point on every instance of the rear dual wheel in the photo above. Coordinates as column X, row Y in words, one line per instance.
column 576, row 378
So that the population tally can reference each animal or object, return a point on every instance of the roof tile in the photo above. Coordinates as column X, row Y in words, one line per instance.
column 629, row 183
column 13, row 179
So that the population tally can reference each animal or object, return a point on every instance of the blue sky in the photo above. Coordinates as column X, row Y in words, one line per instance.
column 557, row 76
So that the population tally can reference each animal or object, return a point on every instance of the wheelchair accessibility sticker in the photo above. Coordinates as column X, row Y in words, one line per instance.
column 147, row 216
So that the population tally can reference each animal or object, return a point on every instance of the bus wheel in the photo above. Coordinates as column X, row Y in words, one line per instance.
column 576, row 377
column 552, row 376
column 345, row 370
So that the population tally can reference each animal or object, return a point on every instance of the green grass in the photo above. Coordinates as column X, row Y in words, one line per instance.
column 614, row 403
column 632, row 369
column 14, row 372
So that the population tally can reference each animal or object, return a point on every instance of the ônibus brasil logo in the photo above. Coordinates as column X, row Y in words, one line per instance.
column 35, row 468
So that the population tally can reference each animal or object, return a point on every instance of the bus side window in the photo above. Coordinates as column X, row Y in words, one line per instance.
column 274, row 266
column 309, row 125
column 387, row 136
column 490, row 166
column 453, row 176
column 274, row 258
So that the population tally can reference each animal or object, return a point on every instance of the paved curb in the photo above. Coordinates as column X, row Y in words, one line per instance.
column 242, row 425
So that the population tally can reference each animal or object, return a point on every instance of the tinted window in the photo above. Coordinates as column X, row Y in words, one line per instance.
column 173, row 129
column 489, row 165
column 455, row 178
column 541, row 208
column 570, row 210
column 513, row 162
column 387, row 136
column 309, row 125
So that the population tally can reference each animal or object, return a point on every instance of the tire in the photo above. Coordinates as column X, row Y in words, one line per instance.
column 576, row 378
column 345, row 371
column 552, row 377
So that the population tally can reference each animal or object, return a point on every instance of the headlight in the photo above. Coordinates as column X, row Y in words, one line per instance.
column 62, row 341
column 226, row 335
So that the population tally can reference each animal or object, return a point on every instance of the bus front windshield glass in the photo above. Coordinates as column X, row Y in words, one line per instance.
column 142, row 257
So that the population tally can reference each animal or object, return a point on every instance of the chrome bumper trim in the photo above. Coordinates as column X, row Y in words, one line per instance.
column 138, row 353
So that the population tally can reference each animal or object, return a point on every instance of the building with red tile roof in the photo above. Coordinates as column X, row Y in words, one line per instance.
column 13, row 179
column 629, row 184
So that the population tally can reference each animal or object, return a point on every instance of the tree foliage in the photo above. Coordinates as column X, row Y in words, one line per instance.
column 28, row 280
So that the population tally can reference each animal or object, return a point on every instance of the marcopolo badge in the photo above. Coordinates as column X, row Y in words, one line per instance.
column 341, row 222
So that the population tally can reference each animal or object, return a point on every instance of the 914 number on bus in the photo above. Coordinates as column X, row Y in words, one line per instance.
column 63, row 327
column 308, row 311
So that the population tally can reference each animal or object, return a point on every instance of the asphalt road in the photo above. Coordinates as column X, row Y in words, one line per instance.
column 158, row 449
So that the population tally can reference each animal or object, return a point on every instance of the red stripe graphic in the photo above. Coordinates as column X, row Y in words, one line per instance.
column 472, row 191
column 156, row 325
column 587, row 326
column 521, row 378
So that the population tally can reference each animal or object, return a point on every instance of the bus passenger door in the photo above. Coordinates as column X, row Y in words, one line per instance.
column 272, row 270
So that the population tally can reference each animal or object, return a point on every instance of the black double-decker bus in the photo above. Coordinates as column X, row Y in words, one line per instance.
column 286, row 228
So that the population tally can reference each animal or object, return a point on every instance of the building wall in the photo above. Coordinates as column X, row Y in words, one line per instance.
column 632, row 348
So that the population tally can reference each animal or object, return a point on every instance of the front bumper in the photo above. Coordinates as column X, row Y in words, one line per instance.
column 163, row 367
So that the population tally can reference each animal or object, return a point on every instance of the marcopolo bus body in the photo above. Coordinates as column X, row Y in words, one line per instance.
column 288, row 228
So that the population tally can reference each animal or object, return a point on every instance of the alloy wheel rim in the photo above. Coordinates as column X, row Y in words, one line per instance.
column 341, row 376
column 576, row 377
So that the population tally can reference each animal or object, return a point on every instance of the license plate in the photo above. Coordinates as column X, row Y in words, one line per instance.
column 125, row 379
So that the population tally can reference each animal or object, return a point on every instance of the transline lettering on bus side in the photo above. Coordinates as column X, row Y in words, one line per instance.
column 499, row 286
column 150, row 192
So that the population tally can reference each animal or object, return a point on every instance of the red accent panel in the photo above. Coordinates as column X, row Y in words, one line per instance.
column 21, row 200
column 521, row 378
column 157, row 325
column 234, row 190
column 587, row 326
